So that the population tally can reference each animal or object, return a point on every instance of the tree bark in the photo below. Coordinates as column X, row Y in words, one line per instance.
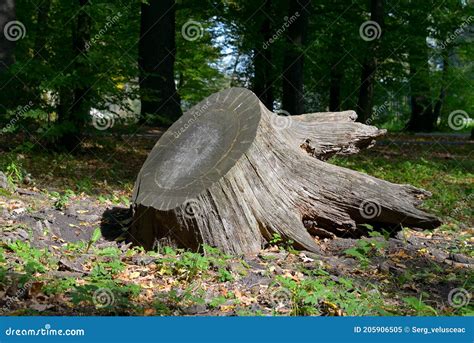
column 231, row 174
column 442, row 93
column 7, row 46
column 421, row 104
column 42, row 29
column 421, row 119
column 293, row 63
column 160, row 102
column 263, row 64
column 369, row 68
column 335, row 77
column 74, row 107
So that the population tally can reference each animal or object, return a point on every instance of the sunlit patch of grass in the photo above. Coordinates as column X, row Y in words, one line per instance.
column 449, row 180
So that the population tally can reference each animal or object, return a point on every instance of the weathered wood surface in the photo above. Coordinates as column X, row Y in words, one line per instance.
column 231, row 174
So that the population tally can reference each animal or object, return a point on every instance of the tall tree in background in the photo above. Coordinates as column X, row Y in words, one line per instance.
column 42, row 28
column 422, row 118
column 442, row 92
column 7, row 14
column 335, row 74
column 157, row 51
column 369, row 68
column 293, row 97
column 263, row 63
column 74, row 107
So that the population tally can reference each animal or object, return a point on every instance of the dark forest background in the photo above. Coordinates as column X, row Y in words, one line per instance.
column 64, row 65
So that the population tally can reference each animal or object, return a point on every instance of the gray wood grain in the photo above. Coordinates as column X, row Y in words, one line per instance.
column 236, row 176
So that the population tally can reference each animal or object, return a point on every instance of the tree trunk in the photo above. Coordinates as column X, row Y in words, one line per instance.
column 7, row 46
column 442, row 93
column 74, row 107
column 421, row 118
column 369, row 68
column 81, row 107
column 263, row 65
column 231, row 174
column 421, row 104
column 335, row 76
column 42, row 30
column 293, row 97
column 160, row 102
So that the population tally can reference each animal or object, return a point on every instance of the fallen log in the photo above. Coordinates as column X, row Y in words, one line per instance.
column 231, row 174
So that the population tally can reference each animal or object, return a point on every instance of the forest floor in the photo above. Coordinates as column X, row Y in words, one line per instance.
column 61, row 251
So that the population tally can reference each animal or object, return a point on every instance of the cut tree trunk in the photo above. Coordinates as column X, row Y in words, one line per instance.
column 232, row 174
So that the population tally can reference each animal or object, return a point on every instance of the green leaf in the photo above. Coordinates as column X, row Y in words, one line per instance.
column 96, row 235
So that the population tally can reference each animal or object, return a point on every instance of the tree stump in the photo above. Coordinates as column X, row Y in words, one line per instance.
column 231, row 174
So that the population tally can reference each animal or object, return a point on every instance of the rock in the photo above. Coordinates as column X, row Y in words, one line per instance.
column 461, row 258
column 90, row 218
column 3, row 180
column 18, row 211
column 271, row 255
column 28, row 179
column 275, row 269
column 143, row 260
column 23, row 191
column 5, row 184
column 195, row 309
column 73, row 265
column 40, row 307
column 22, row 234
column 4, row 213
column 254, row 264
column 238, row 268
column 253, row 279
